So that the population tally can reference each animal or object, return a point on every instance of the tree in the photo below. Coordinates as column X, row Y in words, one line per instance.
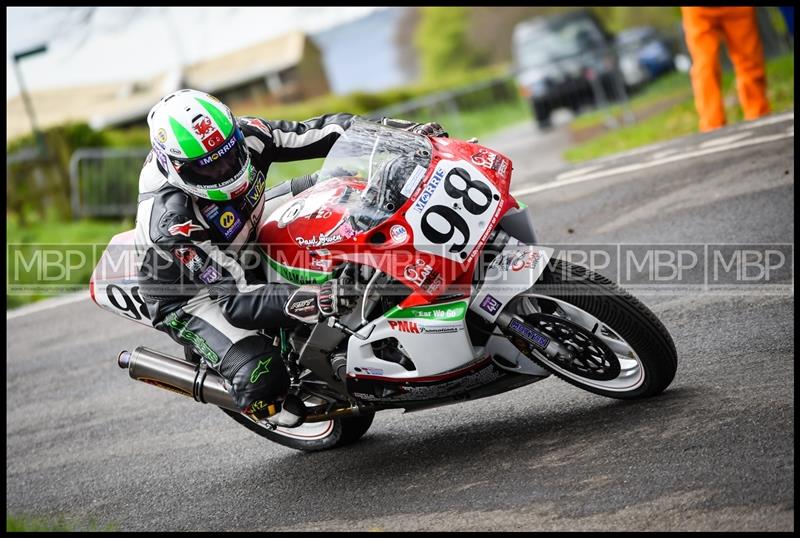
column 617, row 19
column 443, row 44
column 491, row 28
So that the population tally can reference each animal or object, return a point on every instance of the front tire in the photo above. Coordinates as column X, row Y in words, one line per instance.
column 630, row 352
column 312, row 436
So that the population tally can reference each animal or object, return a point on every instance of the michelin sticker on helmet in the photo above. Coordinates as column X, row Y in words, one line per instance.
column 161, row 135
column 412, row 181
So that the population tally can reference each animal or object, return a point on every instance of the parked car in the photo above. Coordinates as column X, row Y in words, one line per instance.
column 644, row 55
column 564, row 61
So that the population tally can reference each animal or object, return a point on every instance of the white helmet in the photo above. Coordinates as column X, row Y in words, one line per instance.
column 198, row 142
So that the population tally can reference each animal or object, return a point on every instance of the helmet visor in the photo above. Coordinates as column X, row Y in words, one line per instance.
column 216, row 168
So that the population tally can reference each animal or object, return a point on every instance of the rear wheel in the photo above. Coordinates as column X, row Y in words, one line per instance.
column 609, row 343
column 311, row 436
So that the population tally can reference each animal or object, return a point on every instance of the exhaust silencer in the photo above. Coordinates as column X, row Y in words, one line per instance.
column 176, row 375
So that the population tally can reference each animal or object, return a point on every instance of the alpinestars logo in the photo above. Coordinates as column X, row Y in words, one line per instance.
column 184, row 229
column 261, row 368
column 258, row 124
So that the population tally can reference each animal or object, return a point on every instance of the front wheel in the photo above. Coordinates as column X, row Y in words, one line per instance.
column 602, row 339
column 311, row 436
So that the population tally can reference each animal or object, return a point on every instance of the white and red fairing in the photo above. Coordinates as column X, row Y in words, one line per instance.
column 449, row 201
column 114, row 284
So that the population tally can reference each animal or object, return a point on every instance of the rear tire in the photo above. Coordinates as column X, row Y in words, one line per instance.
column 333, row 434
column 625, row 315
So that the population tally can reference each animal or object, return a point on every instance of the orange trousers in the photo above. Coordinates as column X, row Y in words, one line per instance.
column 703, row 27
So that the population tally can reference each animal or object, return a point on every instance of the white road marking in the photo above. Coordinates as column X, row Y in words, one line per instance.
column 766, row 121
column 47, row 304
column 578, row 172
column 664, row 153
column 639, row 151
column 641, row 166
column 725, row 139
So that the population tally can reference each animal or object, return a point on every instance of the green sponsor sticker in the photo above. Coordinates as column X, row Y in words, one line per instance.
column 440, row 312
column 298, row 275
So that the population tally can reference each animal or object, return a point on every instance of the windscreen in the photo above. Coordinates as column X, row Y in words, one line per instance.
column 387, row 165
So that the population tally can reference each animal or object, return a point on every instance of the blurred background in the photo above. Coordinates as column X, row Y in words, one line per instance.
column 588, row 82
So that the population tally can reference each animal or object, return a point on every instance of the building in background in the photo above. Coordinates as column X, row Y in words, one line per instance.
column 285, row 69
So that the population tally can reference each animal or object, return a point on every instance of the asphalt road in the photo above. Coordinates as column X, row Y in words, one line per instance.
column 714, row 452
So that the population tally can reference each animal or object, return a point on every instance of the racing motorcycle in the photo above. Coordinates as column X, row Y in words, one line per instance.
column 452, row 296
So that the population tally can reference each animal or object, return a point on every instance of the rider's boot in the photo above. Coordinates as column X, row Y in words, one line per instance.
column 292, row 414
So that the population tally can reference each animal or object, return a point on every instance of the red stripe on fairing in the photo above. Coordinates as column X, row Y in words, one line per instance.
column 441, row 377
column 213, row 141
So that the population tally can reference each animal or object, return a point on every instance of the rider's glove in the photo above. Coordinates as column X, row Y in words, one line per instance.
column 328, row 299
column 311, row 303
column 427, row 129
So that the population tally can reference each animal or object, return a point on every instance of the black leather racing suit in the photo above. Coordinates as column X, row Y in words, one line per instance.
column 192, row 246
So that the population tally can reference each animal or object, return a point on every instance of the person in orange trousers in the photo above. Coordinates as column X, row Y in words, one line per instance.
column 703, row 27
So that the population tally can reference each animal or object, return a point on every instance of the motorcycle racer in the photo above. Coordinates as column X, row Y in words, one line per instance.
column 201, row 196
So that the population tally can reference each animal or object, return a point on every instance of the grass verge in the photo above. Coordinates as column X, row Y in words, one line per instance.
column 673, row 85
column 681, row 119
column 53, row 256
column 19, row 523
